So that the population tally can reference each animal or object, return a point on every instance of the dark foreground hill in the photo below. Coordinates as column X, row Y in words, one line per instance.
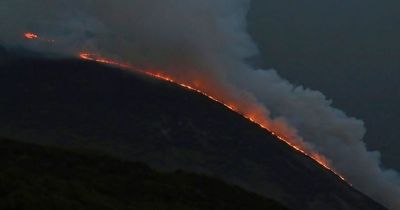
column 78, row 104
column 45, row 178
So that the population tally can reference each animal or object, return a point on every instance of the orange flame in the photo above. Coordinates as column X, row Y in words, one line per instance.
column 30, row 35
column 260, row 121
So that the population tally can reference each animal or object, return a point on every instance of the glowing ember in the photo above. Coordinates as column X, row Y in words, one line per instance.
column 31, row 36
column 320, row 159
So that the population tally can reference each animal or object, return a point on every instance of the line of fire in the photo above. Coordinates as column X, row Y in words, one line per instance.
column 320, row 159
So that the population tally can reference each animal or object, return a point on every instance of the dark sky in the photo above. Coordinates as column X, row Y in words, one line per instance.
column 349, row 50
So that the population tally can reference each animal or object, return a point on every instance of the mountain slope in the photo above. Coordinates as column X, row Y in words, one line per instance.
column 86, row 105
column 34, row 177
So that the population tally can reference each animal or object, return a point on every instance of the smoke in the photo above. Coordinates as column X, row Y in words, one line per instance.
column 205, row 44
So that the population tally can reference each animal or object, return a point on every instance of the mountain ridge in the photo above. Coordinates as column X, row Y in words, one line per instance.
column 86, row 105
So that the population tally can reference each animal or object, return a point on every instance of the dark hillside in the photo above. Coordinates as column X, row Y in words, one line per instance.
column 78, row 104
column 33, row 177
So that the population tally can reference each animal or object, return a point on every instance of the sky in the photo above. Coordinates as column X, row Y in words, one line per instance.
column 349, row 50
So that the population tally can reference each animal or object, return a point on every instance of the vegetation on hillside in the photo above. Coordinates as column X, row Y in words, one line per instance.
column 36, row 177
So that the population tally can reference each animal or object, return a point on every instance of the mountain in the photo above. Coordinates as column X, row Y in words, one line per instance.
column 36, row 177
column 83, row 105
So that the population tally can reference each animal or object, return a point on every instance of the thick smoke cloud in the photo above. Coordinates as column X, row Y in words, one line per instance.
column 204, row 43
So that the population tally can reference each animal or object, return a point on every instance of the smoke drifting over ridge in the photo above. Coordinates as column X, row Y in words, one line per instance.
column 204, row 43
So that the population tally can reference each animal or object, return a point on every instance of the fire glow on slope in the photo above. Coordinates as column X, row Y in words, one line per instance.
column 33, row 36
column 260, row 121
column 251, row 116
column 30, row 35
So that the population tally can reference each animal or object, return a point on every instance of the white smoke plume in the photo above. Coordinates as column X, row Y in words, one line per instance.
column 204, row 43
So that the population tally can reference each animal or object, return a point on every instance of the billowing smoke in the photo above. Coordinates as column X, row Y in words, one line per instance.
column 205, row 44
